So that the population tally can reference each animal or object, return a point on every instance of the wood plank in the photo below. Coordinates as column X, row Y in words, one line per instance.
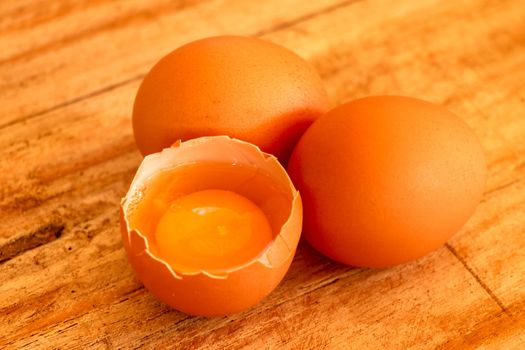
column 319, row 304
column 79, row 58
column 58, row 169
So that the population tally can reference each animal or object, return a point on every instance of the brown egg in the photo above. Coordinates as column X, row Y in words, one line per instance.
column 243, row 87
column 193, row 254
column 386, row 179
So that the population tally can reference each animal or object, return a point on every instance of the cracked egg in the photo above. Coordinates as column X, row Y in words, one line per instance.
column 211, row 225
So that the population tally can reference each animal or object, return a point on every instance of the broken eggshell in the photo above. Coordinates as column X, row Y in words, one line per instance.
column 212, row 293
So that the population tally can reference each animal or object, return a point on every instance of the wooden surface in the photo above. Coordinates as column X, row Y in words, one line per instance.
column 68, row 74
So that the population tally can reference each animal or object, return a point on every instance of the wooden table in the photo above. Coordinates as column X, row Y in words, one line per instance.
column 69, row 71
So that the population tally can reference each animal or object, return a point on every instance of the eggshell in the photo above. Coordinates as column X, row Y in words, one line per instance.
column 212, row 293
column 243, row 87
column 386, row 179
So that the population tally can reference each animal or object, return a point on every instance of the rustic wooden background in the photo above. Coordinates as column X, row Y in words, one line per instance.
column 68, row 74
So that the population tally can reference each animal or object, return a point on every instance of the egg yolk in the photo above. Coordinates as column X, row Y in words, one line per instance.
column 211, row 230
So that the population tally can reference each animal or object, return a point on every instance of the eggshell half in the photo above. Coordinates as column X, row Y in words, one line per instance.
column 212, row 293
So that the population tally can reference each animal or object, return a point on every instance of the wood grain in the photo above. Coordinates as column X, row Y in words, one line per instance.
column 69, row 71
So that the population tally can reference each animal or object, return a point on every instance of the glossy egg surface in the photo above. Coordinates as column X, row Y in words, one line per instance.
column 386, row 179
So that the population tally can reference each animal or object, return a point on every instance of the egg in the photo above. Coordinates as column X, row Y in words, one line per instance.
column 243, row 87
column 211, row 225
column 386, row 179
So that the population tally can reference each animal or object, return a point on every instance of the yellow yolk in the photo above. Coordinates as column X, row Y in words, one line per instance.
column 211, row 230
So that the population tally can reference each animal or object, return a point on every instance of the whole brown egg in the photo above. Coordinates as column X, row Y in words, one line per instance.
column 242, row 87
column 386, row 179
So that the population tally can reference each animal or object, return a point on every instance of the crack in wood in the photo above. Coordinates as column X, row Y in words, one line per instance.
column 75, row 100
column 125, row 296
column 323, row 284
column 308, row 16
column 479, row 280
column 37, row 238
column 506, row 185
